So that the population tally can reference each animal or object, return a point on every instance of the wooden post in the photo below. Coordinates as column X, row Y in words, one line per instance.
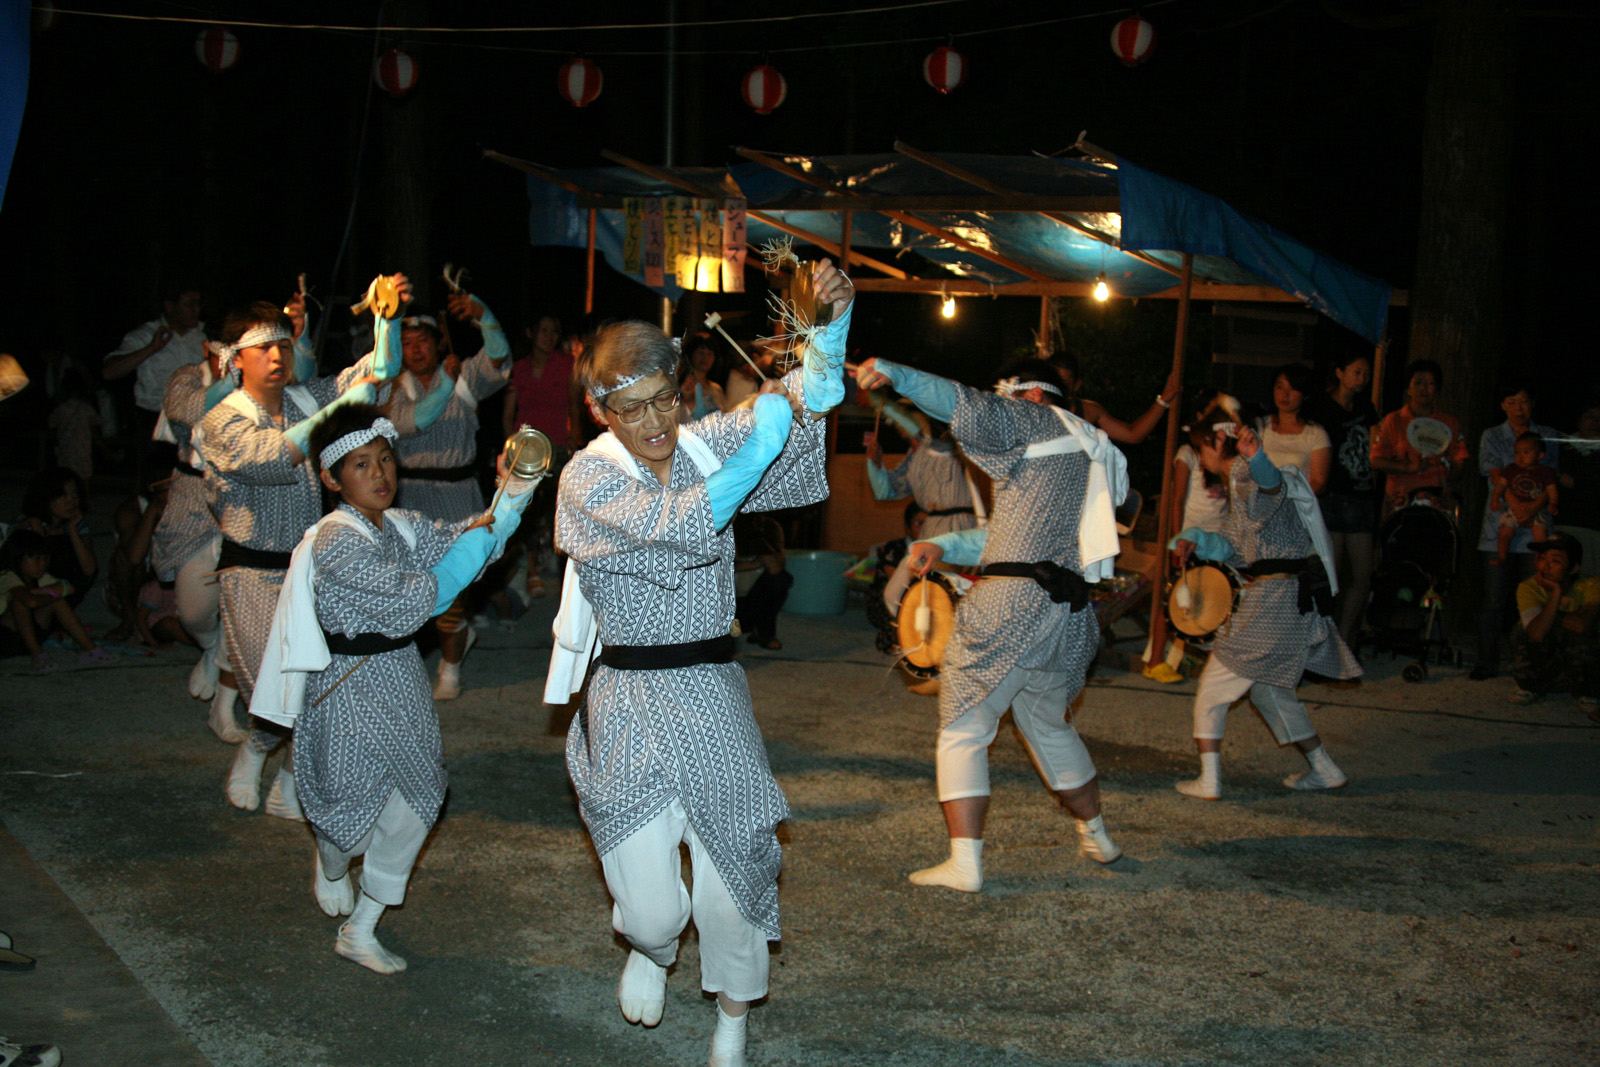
column 1044, row 328
column 588, row 289
column 845, row 226
column 1158, row 570
column 1377, row 373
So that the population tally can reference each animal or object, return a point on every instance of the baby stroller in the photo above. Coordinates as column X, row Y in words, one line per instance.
column 1418, row 543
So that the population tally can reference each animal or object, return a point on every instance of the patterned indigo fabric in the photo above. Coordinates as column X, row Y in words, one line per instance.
column 263, row 501
column 377, row 731
column 933, row 476
column 1011, row 622
column 450, row 442
column 1267, row 640
column 187, row 525
column 658, row 572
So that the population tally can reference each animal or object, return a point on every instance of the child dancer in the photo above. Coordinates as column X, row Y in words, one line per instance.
column 363, row 581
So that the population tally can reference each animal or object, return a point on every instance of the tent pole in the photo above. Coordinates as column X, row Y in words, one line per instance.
column 1377, row 373
column 588, row 289
column 1158, row 570
column 1044, row 328
column 846, row 224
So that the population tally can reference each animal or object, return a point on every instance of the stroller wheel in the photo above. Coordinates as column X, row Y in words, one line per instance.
column 1415, row 672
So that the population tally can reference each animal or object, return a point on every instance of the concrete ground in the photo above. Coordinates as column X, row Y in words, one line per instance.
column 1442, row 909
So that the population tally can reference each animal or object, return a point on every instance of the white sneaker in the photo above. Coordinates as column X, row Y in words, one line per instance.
column 1095, row 843
column 447, row 686
column 1308, row 780
column 244, row 778
column 28, row 1055
column 1200, row 789
column 222, row 721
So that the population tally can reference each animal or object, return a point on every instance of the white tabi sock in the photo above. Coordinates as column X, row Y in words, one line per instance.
column 203, row 678
column 963, row 870
column 358, row 942
column 1094, row 842
column 1209, row 785
column 1324, row 773
column 642, row 992
column 448, row 684
column 282, row 800
column 727, row 1044
column 222, row 721
column 244, row 778
column 335, row 896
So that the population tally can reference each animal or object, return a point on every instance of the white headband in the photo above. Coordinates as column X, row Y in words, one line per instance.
column 262, row 333
column 381, row 427
column 417, row 322
column 599, row 390
column 1012, row 386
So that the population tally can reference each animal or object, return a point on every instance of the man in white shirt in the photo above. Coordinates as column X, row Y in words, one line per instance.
column 153, row 350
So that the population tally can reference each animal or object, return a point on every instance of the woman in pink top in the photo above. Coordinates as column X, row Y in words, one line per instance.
column 540, row 395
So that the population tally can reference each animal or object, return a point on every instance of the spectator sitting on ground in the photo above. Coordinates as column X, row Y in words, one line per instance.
column 1555, row 647
column 34, row 603
column 53, row 506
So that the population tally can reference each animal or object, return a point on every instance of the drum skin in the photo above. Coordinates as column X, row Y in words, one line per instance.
column 927, row 650
column 1203, row 598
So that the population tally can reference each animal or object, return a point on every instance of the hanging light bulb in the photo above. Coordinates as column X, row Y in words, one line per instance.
column 948, row 308
column 1102, row 291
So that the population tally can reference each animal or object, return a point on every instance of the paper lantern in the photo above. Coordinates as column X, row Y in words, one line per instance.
column 764, row 89
column 216, row 48
column 580, row 82
column 395, row 72
column 944, row 68
column 1132, row 39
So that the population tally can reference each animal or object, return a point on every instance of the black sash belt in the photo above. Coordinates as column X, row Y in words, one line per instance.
column 365, row 644
column 943, row 512
column 666, row 657
column 236, row 555
column 438, row 474
column 1315, row 593
column 1062, row 584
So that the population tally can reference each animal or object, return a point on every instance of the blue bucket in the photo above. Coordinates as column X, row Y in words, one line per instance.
column 818, row 582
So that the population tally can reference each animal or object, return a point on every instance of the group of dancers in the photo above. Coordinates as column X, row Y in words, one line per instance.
column 317, row 613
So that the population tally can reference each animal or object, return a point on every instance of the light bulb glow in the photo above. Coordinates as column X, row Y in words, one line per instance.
column 1102, row 291
column 948, row 308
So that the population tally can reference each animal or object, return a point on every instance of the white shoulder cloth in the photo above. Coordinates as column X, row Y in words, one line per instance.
column 1108, row 487
column 296, row 648
column 577, row 634
column 1305, row 502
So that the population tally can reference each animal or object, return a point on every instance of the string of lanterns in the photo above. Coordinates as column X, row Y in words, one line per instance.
column 764, row 87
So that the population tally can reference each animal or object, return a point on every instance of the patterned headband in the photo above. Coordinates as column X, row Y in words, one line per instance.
column 418, row 322
column 224, row 356
column 599, row 390
column 262, row 333
column 381, row 427
column 1012, row 386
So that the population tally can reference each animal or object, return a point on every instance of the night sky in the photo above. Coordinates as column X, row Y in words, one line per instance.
column 136, row 164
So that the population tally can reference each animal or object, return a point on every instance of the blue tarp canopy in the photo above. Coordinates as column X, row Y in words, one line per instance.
column 1024, row 224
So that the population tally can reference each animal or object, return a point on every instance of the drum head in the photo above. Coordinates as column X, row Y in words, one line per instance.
column 1201, row 601
column 927, row 649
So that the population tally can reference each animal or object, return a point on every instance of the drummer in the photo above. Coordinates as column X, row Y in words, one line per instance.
column 1406, row 468
column 1038, row 560
column 1280, row 629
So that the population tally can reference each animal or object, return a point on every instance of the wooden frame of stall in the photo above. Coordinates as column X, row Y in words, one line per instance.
column 989, row 197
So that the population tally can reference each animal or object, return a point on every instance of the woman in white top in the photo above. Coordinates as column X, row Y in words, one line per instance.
column 1199, row 499
column 1290, row 440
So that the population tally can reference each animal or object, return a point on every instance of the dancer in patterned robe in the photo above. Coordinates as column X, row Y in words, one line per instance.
column 666, row 750
column 1041, row 461
column 267, row 496
column 436, row 413
column 1281, row 627
column 362, row 582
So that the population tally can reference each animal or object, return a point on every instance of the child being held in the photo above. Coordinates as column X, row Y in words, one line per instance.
column 342, row 668
column 1525, row 492
column 33, row 603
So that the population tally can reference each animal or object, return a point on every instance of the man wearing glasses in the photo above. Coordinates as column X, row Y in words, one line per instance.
column 666, row 750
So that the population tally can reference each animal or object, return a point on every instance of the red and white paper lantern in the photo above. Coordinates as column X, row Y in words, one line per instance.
column 944, row 68
column 764, row 89
column 1132, row 39
column 580, row 81
column 395, row 72
column 216, row 48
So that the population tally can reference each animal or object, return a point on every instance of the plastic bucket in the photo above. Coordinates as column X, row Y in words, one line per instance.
column 818, row 582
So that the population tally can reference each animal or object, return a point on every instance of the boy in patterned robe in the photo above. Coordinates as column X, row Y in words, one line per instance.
column 666, row 750
column 1018, row 642
column 1281, row 627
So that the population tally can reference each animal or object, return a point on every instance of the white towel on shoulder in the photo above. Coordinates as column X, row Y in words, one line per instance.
column 1108, row 487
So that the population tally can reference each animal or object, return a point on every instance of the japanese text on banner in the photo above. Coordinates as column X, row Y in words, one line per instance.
column 655, row 244
column 733, row 244
column 633, row 235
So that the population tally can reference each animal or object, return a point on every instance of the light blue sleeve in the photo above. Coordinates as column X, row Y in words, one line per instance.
column 430, row 407
column 300, row 433
column 1207, row 545
column 494, row 337
column 878, row 479
column 1261, row 469
column 218, row 390
column 963, row 548
column 726, row 488
column 305, row 360
column 823, row 377
column 936, row 396
column 386, row 362
column 508, row 511
column 461, row 563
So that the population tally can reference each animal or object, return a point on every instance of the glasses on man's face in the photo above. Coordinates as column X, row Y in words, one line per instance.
column 664, row 401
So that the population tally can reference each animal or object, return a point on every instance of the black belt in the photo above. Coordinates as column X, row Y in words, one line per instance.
column 438, row 474
column 1315, row 592
column 943, row 512
column 1062, row 584
column 236, row 555
column 365, row 644
column 666, row 657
